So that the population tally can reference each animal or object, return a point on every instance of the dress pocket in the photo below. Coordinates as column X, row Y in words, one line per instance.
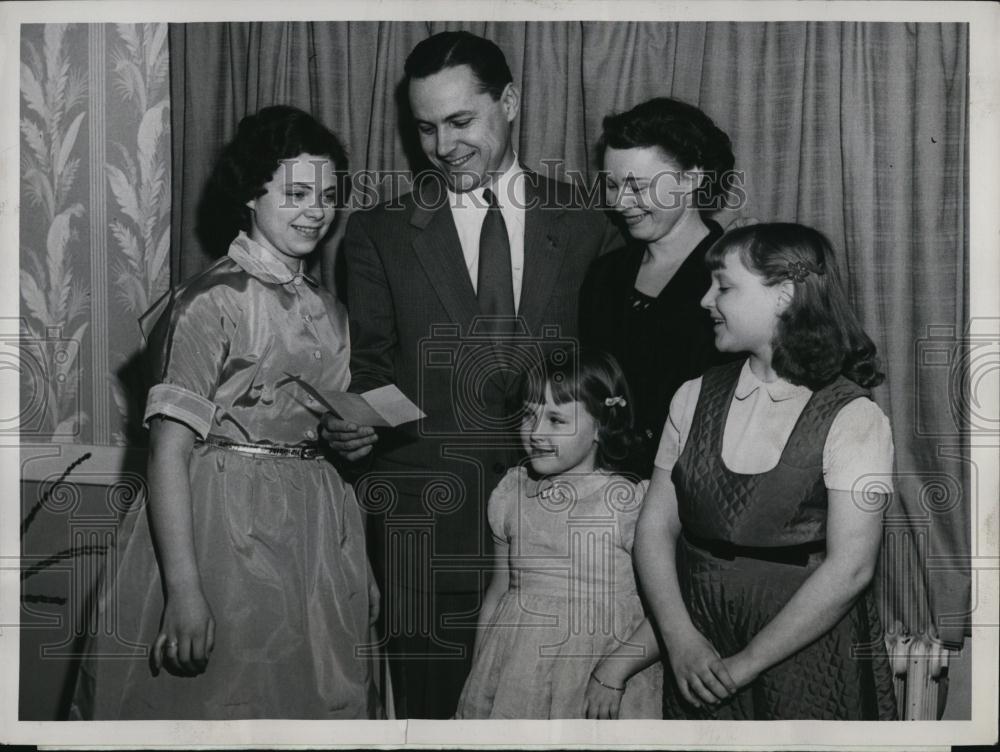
column 271, row 488
column 239, row 498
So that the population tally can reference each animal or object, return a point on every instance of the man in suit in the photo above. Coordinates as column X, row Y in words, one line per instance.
column 452, row 289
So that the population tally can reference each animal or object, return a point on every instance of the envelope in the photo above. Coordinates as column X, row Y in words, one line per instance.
column 385, row 406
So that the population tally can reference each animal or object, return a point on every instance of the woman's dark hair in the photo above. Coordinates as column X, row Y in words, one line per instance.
column 262, row 141
column 594, row 378
column 449, row 49
column 818, row 337
column 685, row 134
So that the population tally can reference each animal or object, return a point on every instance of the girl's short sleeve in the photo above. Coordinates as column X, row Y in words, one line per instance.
column 502, row 501
column 678, row 424
column 859, row 449
column 629, row 514
column 187, row 350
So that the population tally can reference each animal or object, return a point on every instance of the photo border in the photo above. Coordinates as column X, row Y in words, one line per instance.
column 984, row 159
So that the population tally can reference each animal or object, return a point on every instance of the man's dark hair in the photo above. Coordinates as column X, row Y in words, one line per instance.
column 449, row 49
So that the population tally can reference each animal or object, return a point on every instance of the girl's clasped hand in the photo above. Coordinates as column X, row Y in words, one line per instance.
column 700, row 672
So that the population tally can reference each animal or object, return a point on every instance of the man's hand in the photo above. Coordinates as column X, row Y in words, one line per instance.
column 349, row 440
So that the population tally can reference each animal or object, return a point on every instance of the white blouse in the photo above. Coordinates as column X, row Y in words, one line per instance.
column 858, row 453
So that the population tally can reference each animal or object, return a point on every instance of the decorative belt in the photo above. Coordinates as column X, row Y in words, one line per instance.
column 797, row 555
column 302, row 452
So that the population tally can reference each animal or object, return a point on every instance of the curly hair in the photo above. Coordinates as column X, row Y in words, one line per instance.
column 685, row 135
column 818, row 336
column 262, row 141
column 594, row 378
column 449, row 49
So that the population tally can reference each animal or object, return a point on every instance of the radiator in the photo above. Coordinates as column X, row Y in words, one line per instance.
column 920, row 671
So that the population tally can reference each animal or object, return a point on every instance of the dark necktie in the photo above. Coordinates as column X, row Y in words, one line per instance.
column 495, row 285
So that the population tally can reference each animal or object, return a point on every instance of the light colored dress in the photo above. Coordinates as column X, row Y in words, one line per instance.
column 245, row 353
column 572, row 599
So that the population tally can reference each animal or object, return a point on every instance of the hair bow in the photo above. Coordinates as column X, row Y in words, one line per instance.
column 616, row 400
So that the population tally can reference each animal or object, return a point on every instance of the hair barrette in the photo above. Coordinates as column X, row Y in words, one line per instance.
column 616, row 400
column 798, row 271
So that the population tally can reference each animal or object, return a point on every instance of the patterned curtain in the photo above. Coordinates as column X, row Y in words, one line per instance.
column 859, row 129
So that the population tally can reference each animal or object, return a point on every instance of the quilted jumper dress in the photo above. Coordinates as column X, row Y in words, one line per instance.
column 749, row 542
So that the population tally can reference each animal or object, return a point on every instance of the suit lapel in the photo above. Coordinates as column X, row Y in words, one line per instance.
column 440, row 253
column 544, row 249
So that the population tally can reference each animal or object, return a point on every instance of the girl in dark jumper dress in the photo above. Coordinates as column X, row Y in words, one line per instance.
column 759, row 536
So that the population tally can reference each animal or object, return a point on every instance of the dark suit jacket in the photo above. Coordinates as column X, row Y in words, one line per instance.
column 414, row 319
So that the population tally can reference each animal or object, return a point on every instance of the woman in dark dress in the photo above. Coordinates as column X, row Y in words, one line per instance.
column 669, row 167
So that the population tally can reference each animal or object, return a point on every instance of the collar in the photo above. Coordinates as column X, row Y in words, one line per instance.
column 778, row 391
column 507, row 195
column 565, row 488
column 261, row 263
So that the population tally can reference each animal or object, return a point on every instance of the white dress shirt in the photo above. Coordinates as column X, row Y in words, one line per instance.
column 469, row 211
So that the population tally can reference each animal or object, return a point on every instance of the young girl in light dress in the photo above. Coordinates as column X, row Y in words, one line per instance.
column 761, row 531
column 562, row 633
column 259, row 596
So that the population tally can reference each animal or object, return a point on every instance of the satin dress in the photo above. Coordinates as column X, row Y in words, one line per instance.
column 246, row 352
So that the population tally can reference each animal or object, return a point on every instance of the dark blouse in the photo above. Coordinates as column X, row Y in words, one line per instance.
column 660, row 342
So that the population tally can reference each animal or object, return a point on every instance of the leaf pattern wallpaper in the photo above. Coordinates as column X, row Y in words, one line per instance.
column 95, row 224
column 55, row 289
column 138, row 175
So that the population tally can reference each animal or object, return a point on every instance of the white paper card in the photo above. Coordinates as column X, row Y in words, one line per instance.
column 382, row 407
